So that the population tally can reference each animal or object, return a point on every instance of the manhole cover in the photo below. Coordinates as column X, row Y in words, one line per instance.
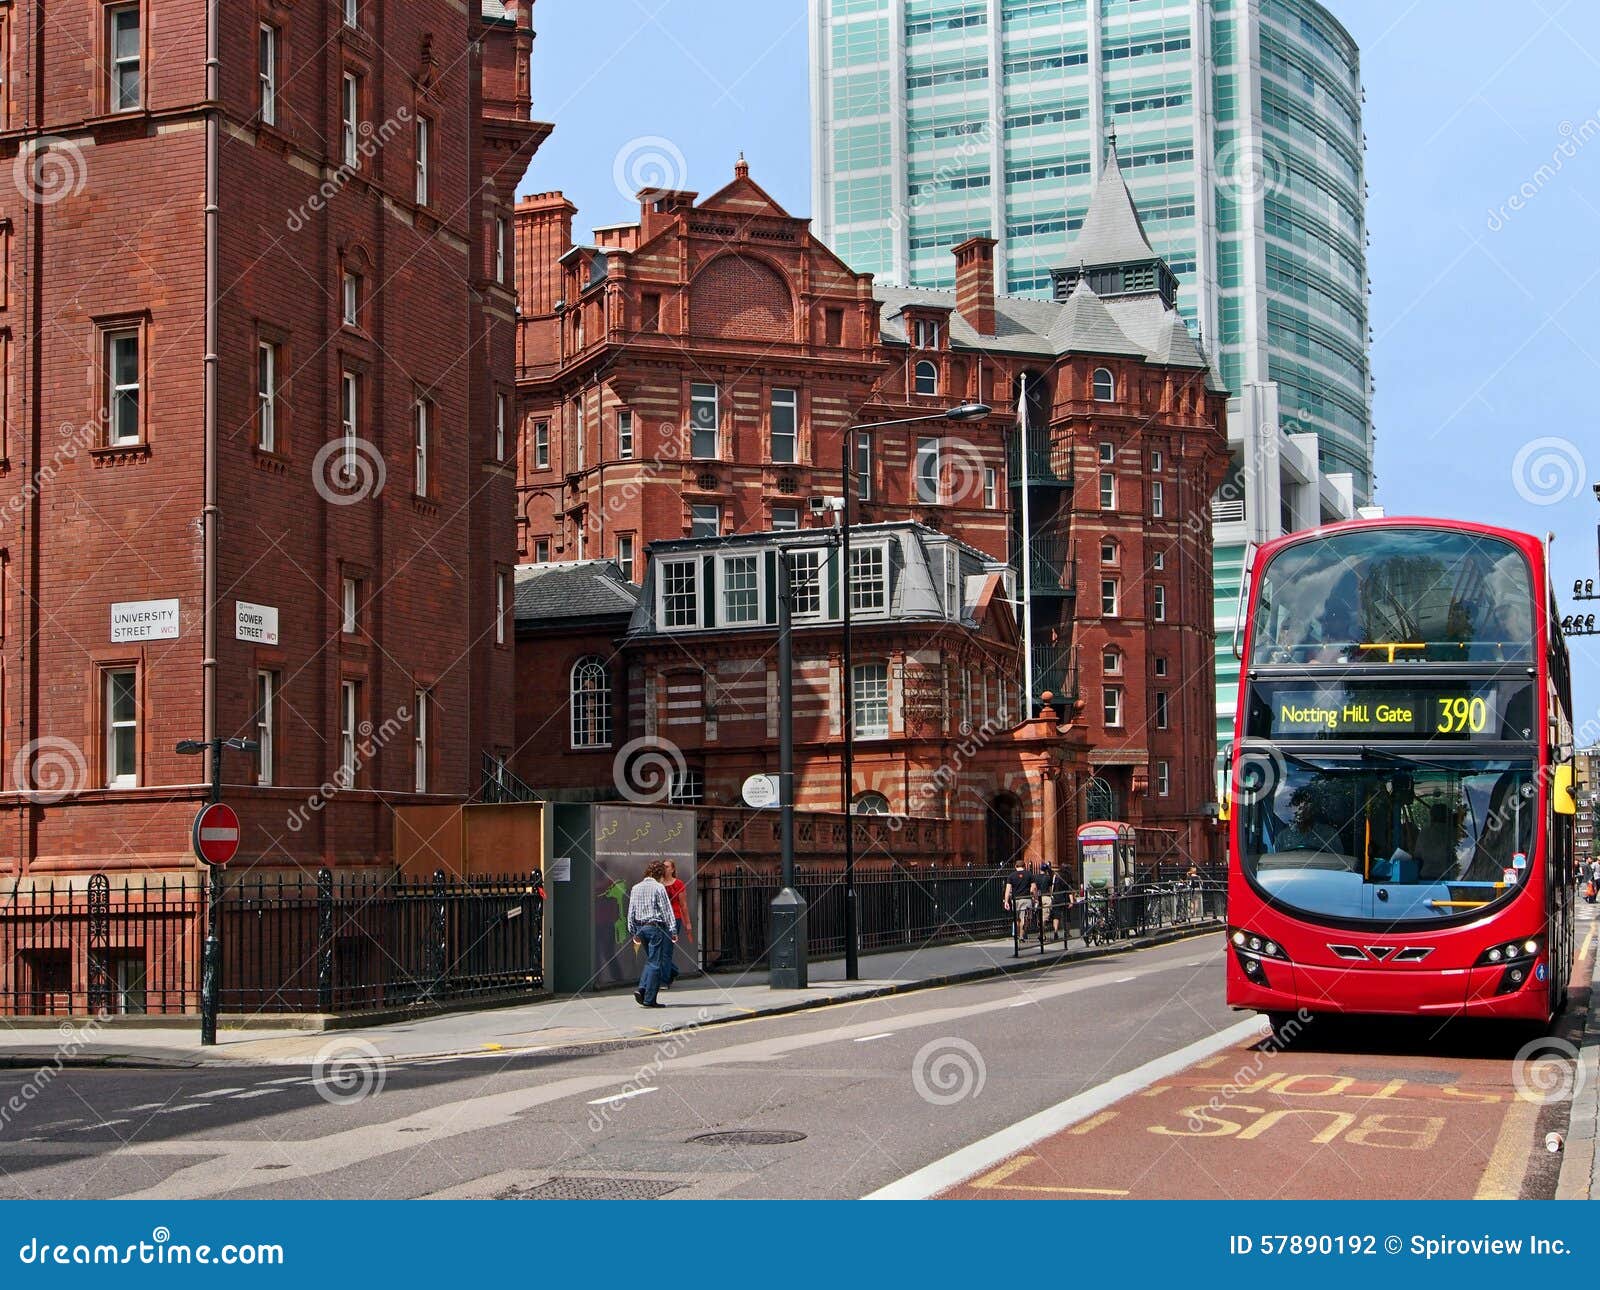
column 593, row 1189
column 749, row 1138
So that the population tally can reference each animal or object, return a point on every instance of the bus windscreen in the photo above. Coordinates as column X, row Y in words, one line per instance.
column 1395, row 596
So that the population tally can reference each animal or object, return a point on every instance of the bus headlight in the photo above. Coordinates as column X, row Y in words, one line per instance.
column 1247, row 945
column 1509, row 952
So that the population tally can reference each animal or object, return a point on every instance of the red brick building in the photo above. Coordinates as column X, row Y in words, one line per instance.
column 257, row 341
column 695, row 375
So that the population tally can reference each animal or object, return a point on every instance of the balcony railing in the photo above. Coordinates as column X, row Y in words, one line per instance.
column 1041, row 471
column 1055, row 670
column 1052, row 569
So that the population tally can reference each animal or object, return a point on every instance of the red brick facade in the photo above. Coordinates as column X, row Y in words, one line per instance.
column 112, row 250
column 734, row 293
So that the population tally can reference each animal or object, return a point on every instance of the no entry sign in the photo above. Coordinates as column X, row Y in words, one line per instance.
column 216, row 834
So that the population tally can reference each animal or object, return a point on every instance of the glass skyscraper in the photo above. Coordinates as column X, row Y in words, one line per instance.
column 1238, row 126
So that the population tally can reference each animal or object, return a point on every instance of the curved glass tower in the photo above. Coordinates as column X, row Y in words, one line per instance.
column 1238, row 125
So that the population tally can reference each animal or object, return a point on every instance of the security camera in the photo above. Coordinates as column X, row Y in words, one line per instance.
column 817, row 505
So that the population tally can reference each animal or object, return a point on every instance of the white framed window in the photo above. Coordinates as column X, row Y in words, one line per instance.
column 590, row 702
column 925, row 333
column 1158, row 499
column 863, row 466
column 687, row 787
column 785, row 519
column 1112, row 706
column 266, row 725
column 927, row 377
column 502, row 255
column 350, row 298
column 1111, row 662
column 420, row 716
column 124, row 387
column 349, row 605
column 704, row 420
column 1155, row 461
column 1105, row 385
column 267, row 397
column 805, row 582
column 422, row 439
column 1108, row 491
column 541, row 445
column 991, row 488
column 680, row 593
column 869, row 700
column 1160, row 562
column 502, row 604
column 1108, row 454
column 267, row 72
column 705, row 521
column 583, row 543
column 1158, row 601
column 741, row 589
column 869, row 578
column 350, row 419
column 1109, row 597
column 1162, row 710
column 625, row 555
column 927, row 472
column 541, row 550
column 581, row 437
column 785, row 415
column 121, row 699
column 1161, row 667
column 1108, row 550
column 499, row 425
column 1163, row 779
column 349, row 729
column 352, row 13
column 123, row 47
column 350, row 120
column 625, row 435
column 424, row 178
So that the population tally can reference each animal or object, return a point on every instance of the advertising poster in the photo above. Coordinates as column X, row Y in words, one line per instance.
column 626, row 839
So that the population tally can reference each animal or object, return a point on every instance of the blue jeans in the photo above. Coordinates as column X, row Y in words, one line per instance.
column 657, row 960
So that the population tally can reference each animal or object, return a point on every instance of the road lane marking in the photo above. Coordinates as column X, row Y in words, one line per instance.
column 867, row 1039
column 187, row 1106
column 260, row 1092
column 623, row 1097
column 59, row 1124
column 987, row 1152
column 1508, row 1161
column 145, row 1106
column 293, row 1079
column 1092, row 1123
column 220, row 1092
column 104, row 1124
column 1123, row 980
column 996, row 1181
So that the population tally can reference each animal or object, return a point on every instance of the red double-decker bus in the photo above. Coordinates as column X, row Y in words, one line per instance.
column 1400, row 811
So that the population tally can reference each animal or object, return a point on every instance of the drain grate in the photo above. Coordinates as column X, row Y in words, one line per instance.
column 567, row 1188
column 748, row 1138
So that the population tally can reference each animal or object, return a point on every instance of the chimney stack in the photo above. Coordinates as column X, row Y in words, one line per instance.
column 975, row 283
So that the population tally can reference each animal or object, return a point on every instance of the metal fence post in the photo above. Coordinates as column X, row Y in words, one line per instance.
column 324, row 940
column 437, row 949
column 99, row 945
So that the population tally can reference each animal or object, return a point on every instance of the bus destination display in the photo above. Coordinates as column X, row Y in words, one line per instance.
column 1353, row 712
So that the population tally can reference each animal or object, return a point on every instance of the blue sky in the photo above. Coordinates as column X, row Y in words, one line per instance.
column 1484, row 344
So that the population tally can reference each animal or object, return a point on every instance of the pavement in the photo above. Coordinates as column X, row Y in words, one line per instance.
column 546, row 1025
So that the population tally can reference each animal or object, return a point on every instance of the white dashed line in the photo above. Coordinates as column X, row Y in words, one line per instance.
column 260, row 1092
column 146, row 1106
column 867, row 1039
column 623, row 1097
column 104, row 1124
column 219, row 1092
column 293, row 1079
column 187, row 1106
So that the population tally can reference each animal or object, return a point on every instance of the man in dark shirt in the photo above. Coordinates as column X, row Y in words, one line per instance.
column 1022, row 894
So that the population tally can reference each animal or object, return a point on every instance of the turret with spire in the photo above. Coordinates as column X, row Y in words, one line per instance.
column 1112, row 253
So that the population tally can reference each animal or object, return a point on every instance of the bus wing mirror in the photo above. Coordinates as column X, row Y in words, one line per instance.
column 1561, row 795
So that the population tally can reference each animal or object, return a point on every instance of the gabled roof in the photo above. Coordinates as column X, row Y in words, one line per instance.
column 1112, row 231
column 1086, row 326
column 560, row 592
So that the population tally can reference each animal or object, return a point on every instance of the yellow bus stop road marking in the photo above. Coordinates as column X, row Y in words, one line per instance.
column 995, row 1180
column 1092, row 1123
column 1508, row 1161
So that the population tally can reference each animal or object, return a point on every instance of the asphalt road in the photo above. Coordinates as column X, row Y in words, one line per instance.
column 845, row 1100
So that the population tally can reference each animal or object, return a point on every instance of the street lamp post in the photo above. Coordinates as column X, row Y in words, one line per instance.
column 852, row 439
column 211, row 951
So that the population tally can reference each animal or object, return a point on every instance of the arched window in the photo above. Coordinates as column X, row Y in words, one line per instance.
column 1105, row 386
column 927, row 377
column 870, row 803
column 591, row 704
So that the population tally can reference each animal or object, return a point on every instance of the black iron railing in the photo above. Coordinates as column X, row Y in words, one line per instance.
column 1104, row 918
column 333, row 943
column 499, row 786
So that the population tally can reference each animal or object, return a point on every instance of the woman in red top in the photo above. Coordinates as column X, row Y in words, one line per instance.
column 678, row 894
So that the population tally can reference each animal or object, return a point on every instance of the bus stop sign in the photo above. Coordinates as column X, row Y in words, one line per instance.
column 216, row 834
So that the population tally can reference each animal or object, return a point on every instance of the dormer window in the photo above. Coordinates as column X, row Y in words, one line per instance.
column 925, row 333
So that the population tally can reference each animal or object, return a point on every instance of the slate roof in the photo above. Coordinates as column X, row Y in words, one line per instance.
column 1112, row 231
column 564, row 591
